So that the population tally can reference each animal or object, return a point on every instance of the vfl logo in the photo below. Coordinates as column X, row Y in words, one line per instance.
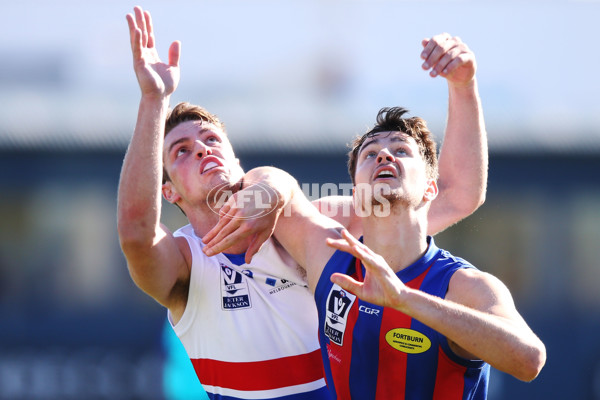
column 234, row 289
column 338, row 305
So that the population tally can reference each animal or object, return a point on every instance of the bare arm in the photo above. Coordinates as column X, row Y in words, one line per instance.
column 298, row 225
column 463, row 160
column 478, row 315
column 340, row 209
column 302, row 230
column 251, row 212
column 156, row 260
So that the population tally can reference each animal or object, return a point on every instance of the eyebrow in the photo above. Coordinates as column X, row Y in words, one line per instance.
column 202, row 131
column 375, row 139
column 175, row 143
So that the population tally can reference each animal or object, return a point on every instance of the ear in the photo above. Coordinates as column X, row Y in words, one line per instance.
column 170, row 193
column 354, row 197
column 431, row 191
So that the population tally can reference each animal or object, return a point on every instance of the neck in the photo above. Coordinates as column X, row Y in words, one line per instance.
column 400, row 238
column 203, row 220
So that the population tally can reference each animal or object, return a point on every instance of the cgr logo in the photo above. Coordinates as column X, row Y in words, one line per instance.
column 369, row 310
column 257, row 199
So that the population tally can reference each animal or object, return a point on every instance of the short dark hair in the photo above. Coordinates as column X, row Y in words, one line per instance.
column 391, row 119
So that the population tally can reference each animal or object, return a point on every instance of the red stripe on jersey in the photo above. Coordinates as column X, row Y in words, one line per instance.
column 392, row 362
column 340, row 357
column 260, row 375
column 449, row 380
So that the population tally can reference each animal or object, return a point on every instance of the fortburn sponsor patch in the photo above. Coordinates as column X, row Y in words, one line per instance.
column 408, row 340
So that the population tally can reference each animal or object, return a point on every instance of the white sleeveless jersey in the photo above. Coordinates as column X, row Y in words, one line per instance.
column 250, row 330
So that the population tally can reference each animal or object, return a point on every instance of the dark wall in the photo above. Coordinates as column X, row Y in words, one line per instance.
column 65, row 289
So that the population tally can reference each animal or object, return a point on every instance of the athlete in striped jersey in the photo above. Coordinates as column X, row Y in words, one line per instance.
column 400, row 318
column 248, row 324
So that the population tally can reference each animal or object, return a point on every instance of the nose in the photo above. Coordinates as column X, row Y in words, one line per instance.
column 384, row 155
column 201, row 149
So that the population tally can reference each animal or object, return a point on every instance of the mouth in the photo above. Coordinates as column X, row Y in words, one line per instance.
column 210, row 164
column 386, row 172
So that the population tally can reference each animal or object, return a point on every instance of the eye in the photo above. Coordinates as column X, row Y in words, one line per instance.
column 401, row 151
column 180, row 151
column 370, row 154
column 212, row 140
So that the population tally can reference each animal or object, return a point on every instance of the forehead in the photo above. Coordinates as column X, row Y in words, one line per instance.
column 192, row 129
column 388, row 137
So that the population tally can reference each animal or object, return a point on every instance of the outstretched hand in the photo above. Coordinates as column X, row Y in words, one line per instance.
column 450, row 58
column 154, row 76
column 381, row 285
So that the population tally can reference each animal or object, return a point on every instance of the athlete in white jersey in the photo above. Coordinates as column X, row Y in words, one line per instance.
column 249, row 329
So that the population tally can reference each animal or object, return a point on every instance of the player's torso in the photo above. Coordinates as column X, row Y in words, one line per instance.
column 380, row 353
column 250, row 329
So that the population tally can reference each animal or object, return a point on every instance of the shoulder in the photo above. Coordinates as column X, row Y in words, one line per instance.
column 185, row 237
column 477, row 289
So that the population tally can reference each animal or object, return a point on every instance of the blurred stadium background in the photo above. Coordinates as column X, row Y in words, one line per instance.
column 294, row 82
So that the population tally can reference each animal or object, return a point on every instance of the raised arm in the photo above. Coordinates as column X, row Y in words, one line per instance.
column 156, row 260
column 463, row 160
column 477, row 316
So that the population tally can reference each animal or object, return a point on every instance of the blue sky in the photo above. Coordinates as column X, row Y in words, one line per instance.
column 292, row 72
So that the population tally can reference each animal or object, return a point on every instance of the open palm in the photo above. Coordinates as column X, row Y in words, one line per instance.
column 154, row 76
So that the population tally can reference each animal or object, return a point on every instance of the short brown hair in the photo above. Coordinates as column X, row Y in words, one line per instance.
column 390, row 119
column 185, row 111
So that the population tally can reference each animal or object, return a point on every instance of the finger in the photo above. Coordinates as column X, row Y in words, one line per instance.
column 215, row 230
column 340, row 244
column 256, row 244
column 452, row 66
column 449, row 49
column 349, row 237
column 464, row 59
column 424, row 43
column 347, row 283
column 219, row 245
column 148, row 19
column 226, row 208
column 224, row 228
column 442, row 64
column 434, row 50
column 141, row 23
column 345, row 246
column 174, row 53
column 135, row 36
column 360, row 250
column 224, row 219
